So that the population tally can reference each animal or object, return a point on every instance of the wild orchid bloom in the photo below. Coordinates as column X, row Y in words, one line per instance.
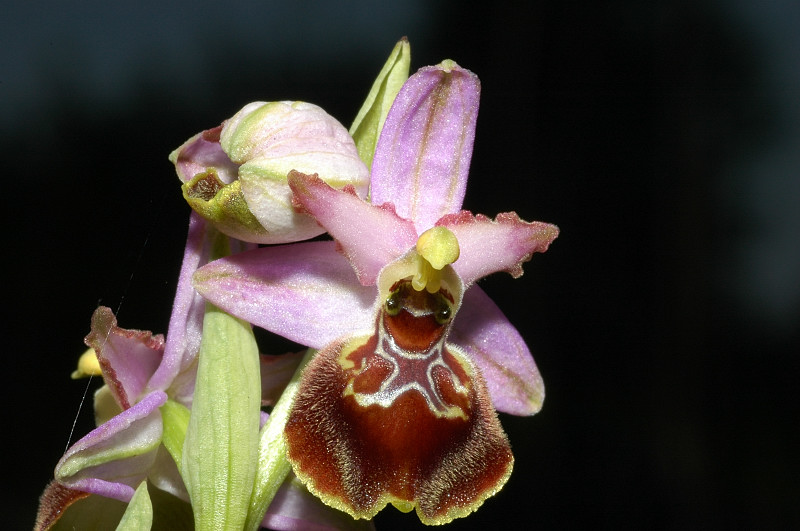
column 394, row 408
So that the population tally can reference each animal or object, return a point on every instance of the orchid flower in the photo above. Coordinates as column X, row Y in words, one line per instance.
column 399, row 404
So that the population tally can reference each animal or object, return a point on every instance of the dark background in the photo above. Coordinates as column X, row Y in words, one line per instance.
column 661, row 137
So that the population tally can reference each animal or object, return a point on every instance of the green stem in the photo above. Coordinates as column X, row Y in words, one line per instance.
column 221, row 445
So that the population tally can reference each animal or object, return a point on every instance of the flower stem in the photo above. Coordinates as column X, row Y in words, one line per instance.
column 221, row 444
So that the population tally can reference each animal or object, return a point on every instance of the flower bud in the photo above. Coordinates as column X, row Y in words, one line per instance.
column 235, row 175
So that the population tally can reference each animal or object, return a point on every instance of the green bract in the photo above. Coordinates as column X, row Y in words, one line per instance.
column 369, row 121
column 139, row 514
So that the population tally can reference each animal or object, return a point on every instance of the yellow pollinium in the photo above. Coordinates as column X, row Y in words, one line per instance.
column 87, row 365
column 436, row 248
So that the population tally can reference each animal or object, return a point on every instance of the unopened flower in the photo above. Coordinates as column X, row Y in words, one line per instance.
column 235, row 175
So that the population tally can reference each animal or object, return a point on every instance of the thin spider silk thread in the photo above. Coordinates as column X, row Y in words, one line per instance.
column 136, row 264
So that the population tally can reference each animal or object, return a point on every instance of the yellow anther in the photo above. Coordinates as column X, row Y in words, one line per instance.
column 87, row 365
column 436, row 248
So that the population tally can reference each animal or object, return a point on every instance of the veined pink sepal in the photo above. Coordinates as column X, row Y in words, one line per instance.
column 500, row 353
column 306, row 291
column 422, row 157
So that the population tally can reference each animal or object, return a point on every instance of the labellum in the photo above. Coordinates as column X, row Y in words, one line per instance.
column 400, row 416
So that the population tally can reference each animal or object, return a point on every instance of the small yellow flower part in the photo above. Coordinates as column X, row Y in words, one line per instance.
column 87, row 365
column 436, row 248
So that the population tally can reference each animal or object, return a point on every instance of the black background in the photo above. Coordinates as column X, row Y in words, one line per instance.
column 660, row 137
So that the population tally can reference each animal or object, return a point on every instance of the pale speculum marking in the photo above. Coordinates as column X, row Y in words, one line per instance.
column 411, row 371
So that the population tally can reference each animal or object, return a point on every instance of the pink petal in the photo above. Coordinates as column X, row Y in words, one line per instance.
column 115, row 457
column 423, row 154
column 370, row 236
column 500, row 353
column 306, row 292
column 128, row 358
column 501, row 245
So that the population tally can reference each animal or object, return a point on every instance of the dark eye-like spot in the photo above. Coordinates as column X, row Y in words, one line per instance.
column 444, row 313
column 393, row 303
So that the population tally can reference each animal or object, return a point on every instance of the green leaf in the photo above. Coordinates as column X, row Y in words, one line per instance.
column 139, row 514
column 273, row 466
column 367, row 126
column 176, row 422
column 221, row 449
